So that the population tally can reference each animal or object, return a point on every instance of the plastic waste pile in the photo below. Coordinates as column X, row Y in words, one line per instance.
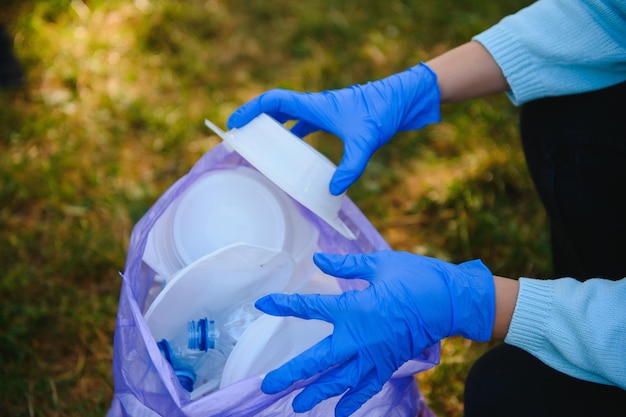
column 230, row 238
column 243, row 222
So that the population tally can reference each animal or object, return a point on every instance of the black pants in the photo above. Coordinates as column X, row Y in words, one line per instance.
column 575, row 148
column 11, row 72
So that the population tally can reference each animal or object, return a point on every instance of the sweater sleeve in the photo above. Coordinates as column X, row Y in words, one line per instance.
column 559, row 47
column 578, row 328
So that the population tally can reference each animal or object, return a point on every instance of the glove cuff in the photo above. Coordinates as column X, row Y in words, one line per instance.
column 423, row 99
column 473, row 301
column 407, row 100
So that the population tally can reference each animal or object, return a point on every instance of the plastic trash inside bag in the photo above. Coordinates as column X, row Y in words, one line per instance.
column 149, row 383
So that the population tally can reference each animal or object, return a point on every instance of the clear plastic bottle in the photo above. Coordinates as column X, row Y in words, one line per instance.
column 198, row 354
column 238, row 319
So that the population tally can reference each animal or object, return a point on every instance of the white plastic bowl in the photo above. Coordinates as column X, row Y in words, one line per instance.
column 225, row 207
column 289, row 162
column 270, row 342
column 301, row 242
column 160, row 253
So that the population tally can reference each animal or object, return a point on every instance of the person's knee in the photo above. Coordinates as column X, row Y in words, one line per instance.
column 507, row 381
column 485, row 388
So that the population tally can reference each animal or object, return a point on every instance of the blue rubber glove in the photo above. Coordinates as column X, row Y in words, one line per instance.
column 412, row 302
column 365, row 117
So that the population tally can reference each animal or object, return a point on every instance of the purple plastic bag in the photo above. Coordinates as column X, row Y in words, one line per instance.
column 145, row 384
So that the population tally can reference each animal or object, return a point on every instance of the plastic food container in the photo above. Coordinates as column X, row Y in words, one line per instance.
column 290, row 163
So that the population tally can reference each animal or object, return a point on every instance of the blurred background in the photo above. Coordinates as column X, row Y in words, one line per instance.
column 103, row 108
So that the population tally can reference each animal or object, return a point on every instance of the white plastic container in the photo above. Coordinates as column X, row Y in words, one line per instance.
column 227, row 207
column 213, row 286
column 290, row 163
column 270, row 342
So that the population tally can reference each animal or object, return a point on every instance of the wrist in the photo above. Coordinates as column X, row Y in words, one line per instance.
column 467, row 71
column 506, row 290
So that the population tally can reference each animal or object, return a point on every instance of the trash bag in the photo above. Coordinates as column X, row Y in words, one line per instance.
column 145, row 383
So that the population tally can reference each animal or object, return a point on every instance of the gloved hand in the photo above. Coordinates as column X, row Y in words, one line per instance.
column 411, row 303
column 365, row 117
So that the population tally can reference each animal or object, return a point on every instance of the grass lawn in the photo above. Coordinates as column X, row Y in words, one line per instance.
column 111, row 114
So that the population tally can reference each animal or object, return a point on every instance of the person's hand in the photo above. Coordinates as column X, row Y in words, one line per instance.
column 411, row 303
column 365, row 117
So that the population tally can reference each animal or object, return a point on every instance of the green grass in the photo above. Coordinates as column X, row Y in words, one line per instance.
column 111, row 115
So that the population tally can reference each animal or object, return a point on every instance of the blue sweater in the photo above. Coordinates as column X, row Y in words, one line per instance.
column 551, row 48
column 559, row 47
column 578, row 328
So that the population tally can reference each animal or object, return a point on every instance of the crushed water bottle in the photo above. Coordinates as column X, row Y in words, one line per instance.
column 239, row 318
column 198, row 354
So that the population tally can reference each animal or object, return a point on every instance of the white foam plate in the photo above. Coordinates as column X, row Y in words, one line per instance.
column 235, row 274
column 270, row 342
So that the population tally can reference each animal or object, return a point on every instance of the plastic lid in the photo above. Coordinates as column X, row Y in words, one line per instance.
column 201, row 334
column 186, row 377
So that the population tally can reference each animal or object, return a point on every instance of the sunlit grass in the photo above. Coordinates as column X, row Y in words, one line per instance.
column 111, row 115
